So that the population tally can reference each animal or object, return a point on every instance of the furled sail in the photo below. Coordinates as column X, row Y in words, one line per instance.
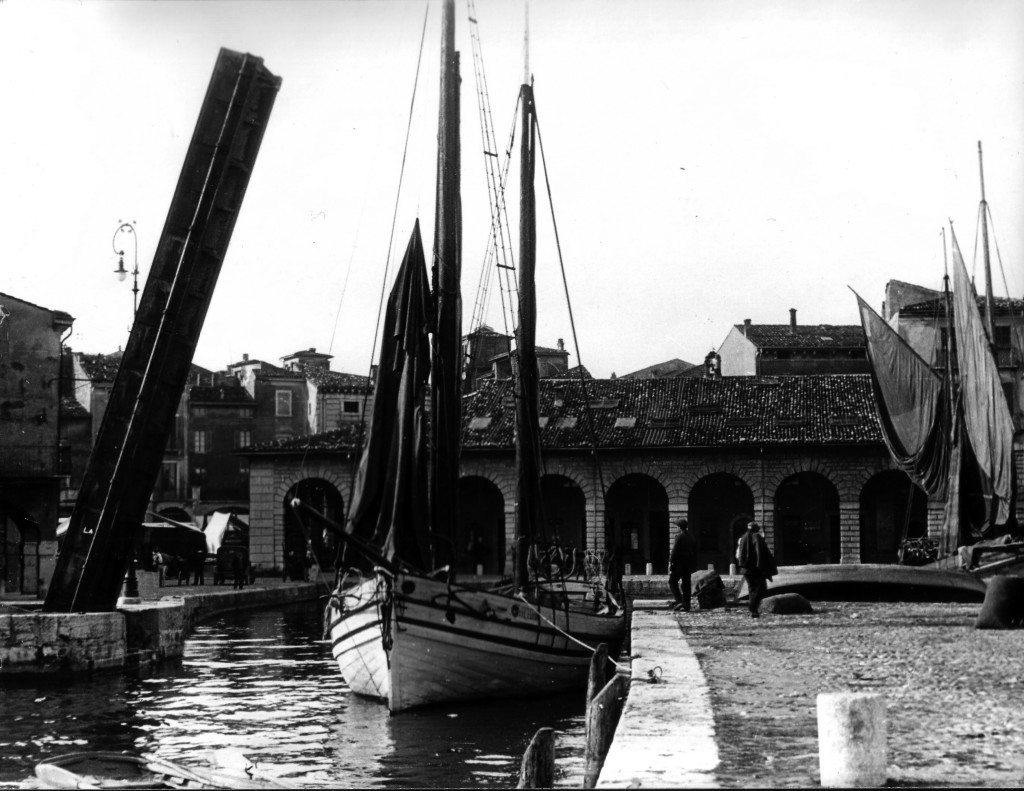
column 390, row 498
column 985, row 412
column 912, row 404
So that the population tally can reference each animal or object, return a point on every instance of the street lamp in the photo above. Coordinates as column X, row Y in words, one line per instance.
column 131, row 580
column 121, row 272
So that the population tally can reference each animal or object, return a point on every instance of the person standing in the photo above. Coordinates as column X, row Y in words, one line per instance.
column 757, row 565
column 682, row 563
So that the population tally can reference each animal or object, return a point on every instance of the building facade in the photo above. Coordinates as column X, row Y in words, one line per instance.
column 801, row 454
column 30, row 437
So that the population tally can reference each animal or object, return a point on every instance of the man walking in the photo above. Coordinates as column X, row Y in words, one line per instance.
column 682, row 563
column 757, row 564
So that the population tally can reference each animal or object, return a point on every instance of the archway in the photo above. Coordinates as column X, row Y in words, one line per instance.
column 480, row 539
column 806, row 520
column 565, row 512
column 636, row 516
column 19, row 537
column 177, row 513
column 720, row 506
column 892, row 508
column 324, row 497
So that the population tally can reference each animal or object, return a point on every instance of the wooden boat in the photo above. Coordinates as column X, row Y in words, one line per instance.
column 99, row 769
column 877, row 582
column 400, row 632
column 951, row 430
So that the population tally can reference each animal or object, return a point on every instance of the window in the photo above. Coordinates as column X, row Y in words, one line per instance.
column 201, row 441
column 243, row 438
column 350, row 407
column 283, row 399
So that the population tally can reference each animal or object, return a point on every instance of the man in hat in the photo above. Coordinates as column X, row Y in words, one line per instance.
column 682, row 563
column 757, row 564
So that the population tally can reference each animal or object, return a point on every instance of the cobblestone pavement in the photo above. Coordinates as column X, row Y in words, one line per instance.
column 954, row 695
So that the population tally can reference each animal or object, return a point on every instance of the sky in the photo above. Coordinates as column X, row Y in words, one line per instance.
column 709, row 161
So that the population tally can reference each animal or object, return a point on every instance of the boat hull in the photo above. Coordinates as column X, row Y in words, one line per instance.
column 354, row 629
column 459, row 643
column 877, row 582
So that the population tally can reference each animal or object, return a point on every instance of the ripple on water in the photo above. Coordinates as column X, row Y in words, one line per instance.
column 265, row 683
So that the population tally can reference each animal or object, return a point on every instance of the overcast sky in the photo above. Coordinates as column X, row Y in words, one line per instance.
column 710, row 160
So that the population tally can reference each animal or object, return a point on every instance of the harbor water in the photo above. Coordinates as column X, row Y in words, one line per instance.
column 265, row 684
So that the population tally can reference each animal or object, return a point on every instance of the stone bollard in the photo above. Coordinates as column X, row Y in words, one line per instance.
column 851, row 739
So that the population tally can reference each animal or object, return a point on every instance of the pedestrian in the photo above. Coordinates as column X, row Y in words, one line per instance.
column 682, row 563
column 757, row 565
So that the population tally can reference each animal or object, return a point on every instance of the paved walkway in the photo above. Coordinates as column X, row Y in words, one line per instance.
column 666, row 735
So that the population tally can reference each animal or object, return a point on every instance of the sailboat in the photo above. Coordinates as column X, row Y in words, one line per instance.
column 951, row 433
column 405, row 630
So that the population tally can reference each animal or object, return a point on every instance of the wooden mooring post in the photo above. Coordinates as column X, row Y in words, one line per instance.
column 605, row 698
column 538, row 769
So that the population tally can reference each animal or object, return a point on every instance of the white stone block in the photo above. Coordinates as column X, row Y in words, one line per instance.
column 852, row 739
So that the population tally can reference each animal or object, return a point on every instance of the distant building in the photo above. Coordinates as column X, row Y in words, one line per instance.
column 786, row 349
column 30, row 442
column 673, row 367
column 925, row 326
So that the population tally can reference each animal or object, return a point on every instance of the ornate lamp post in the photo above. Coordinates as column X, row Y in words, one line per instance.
column 121, row 272
column 131, row 581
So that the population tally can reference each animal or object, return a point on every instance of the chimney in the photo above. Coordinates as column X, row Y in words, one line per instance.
column 792, row 319
column 746, row 327
column 245, row 358
column 561, row 345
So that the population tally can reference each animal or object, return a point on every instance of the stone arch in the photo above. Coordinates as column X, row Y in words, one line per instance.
column 636, row 521
column 176, row 512
column 19, row 543
column 480, row 532
column 720, row 505
column 324, row 496
column 564, row 509
column 892, row 508
column 806, row 520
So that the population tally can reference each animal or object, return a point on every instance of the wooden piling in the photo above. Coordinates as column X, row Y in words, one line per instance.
column 598, row 671
column 538, row 769
column 602, row 716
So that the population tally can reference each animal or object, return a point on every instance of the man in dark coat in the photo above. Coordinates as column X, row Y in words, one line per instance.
column 757, row 564
column 682, row 563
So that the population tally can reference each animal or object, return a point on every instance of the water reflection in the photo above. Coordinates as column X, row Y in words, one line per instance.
column 263, row 683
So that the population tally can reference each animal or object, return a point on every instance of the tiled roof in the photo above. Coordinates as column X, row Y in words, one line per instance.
column 685, row 412
column 804, row 336
column 937, row 307
column 225, row 394
column 101, row 367
column 670, row 413
column 270, row 371
column 335, row 382
column 346, row 438
column 70, row 408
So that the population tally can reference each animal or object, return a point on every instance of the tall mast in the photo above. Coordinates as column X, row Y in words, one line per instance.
column 984, row 237
column 528, row 505
column 446, row 362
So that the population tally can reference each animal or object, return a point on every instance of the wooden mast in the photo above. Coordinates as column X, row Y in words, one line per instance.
column 988, row 265
column 446, row 366
column 528, row 498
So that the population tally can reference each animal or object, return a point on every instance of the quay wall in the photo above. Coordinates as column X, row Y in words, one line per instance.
column 34, row 643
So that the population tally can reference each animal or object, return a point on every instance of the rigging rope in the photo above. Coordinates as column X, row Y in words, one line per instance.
column 572, row 325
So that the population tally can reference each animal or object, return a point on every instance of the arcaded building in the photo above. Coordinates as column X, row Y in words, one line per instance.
column 625, row 458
